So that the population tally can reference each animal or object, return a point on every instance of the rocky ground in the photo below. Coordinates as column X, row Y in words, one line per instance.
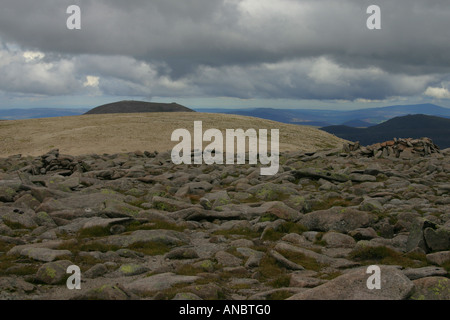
column 140, row 227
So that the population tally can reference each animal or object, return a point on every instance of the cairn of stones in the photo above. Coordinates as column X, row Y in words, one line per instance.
column 405, row 148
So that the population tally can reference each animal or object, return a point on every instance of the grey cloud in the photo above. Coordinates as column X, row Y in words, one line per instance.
column 308, row 79
column 36, row 76
column 249, row 48
column 219, row 32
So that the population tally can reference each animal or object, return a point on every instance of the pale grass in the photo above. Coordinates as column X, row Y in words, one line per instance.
column 116, row 133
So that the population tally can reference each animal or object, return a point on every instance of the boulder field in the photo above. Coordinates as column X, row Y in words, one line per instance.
column 140, row 227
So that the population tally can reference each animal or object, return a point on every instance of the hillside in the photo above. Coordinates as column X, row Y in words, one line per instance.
column 358, row 124
column 138, row 107
column 114, row 133
column 411, row 126
column 353, row 118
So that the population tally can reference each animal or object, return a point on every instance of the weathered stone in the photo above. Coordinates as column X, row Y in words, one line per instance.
column 416, row 237
column 431, row 288
column 235, row 225
column 104, row 223
column 208, row 291
column 437, row 240
column 266, row 295
column 17, row 285
column 117, row 209
column 44, row 254
column 417, row 273
column 44, row 219
column 227, row 259
column 285, row 262
column 254, row 256
column 117, row 229
column 93, row 201
column 159, row 282
column 319, row 173
column 297, row 203
column 320, row 258
column 7, row 194
column 206, row 265
column 197, row 214
column 106, row 292
column 168, row 237
column 353, row 286
column 20, row 217
column 362, row 177
column 282, row 211
column 199, row 188
column 206, row 204
column 132, row 269
column 338, row 240
column 170, row 205
column 154, row 215
column 96, row 271
column 301, row 281
column 53, row 272
column 46, row 244
column 327, row 185
column 27, row 201
column 337, row 218
column 371, row 205
column 71, row 227
column 182, row 253
column 334, row 194
column 297, row 239
column 363, row 234
column 439, row 258
column 186, row 296
column 126, row 253
column 4, row 239
column 271, row 192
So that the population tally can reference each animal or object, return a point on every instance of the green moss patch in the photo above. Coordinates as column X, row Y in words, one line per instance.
column 150, row 248
column 303, row 260
column 245, row 233
column 98, row 246
column 279, row 295
column 188, row 270
column 385, row 255
column 269, row 269
column 154, row 225
column 15, row 225
column 281, row 281
column 330, row 203
column 94, row 232
column 282, row 230
column 5, row 247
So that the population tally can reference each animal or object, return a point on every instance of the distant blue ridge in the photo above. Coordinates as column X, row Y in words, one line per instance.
column 35, row 113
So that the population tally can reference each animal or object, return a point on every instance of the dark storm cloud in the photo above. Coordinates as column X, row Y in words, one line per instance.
column 309, row 49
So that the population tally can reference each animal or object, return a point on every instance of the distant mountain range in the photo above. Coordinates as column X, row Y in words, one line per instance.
column 116, row 107
column 411, row 126
column 138, row 107
column 353, row 118
column 17, row 114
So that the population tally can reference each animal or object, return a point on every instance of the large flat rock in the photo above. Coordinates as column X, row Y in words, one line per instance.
column 158, row 282
column 337, row 219
column 353, row 286
column 168, row 237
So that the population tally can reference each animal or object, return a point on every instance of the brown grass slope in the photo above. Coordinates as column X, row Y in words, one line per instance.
column 116, row 133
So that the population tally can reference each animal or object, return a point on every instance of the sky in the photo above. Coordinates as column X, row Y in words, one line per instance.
column 309, row 54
